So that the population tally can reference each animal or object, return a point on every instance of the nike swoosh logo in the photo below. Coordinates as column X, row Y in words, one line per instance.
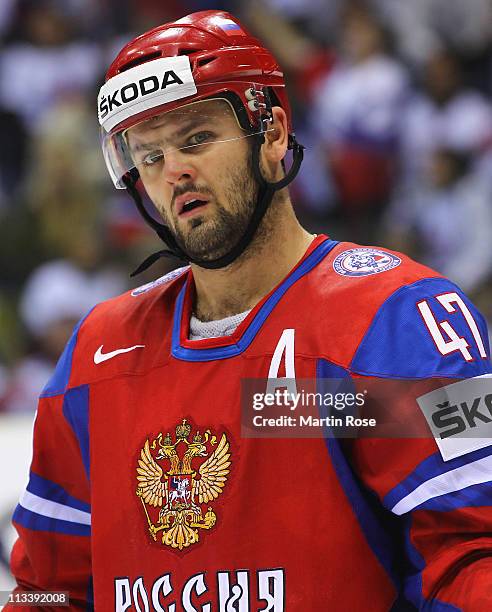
column 99, row 356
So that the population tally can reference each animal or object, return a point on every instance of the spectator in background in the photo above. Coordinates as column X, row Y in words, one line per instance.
column 4, row 384
column 67, row 199
column 317, row 19
column 7, row 9
column 288, row 27
column 483, row 300
column 44, row 61
column 444, row 114
column 55, row 297
column 76, row 218
column 357, row 112
column 13, row 156
column 421, row 27
column 447, row 221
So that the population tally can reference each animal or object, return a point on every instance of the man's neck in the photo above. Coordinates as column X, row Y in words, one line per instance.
column 241, row 285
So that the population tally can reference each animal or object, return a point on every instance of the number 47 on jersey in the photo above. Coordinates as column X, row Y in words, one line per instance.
column 452, row 303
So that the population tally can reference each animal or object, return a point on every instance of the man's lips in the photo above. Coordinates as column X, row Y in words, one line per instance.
column 187, row 203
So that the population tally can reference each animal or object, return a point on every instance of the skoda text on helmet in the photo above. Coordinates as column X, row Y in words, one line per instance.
column 205, row 55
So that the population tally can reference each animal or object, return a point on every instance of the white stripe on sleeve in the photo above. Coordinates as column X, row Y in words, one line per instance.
column 478, row 472
column 52, row 509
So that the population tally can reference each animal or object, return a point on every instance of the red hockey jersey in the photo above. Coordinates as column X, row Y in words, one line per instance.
column 144, row 495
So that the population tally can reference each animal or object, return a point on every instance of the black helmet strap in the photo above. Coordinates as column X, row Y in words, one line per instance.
column 265, row 196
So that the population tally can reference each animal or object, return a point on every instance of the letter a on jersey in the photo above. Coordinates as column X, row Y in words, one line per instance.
column 283, row 356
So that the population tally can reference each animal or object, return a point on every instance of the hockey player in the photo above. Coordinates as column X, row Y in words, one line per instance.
column 145, row 493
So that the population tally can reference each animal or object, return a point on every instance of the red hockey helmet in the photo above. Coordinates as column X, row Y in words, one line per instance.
column 174, row 71
column 204, row 55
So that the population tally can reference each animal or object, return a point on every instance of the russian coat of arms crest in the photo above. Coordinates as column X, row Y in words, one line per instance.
column 181, row 490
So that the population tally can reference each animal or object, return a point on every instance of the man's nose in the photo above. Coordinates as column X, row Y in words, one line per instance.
column 178, row 166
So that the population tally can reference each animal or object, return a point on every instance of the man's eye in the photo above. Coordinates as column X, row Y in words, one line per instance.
column 152, row 158
column 200, row 138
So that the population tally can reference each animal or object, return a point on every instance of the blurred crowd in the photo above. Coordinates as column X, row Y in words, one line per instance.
column 393, row 100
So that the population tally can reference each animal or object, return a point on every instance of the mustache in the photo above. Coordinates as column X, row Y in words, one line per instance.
column 190, row 187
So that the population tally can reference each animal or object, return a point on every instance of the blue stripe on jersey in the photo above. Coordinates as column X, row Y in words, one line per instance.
column 427, row 469
column 37, row 522
column 413, row 580
column 415, row 564
column 399, row 345
column 54, row 492
column 76, row 411
column 223, row 352
column 369, row 515
column 58, row 383
column 90, row 596
column 402, row 605
column 439, row 606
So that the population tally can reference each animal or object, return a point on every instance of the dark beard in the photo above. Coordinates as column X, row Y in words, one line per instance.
column 215, row 237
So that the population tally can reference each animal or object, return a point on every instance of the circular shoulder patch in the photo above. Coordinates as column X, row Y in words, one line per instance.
column 160, row 281
column 364, row 261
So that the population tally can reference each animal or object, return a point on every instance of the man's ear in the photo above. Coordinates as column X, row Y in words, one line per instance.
column 274, row 148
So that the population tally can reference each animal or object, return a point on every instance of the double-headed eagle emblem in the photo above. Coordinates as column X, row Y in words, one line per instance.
column 182, row 493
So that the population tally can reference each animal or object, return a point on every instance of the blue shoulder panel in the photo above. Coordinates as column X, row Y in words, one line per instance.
column 58, row 383
column 399, row 344
column 76, row 411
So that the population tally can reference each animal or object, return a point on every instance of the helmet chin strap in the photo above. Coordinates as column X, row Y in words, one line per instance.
column 265, row 196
